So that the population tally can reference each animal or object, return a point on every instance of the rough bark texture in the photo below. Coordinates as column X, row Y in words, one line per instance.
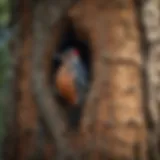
column 26, row 114
column 113, row 123
column 151, row 22
column 47, row 18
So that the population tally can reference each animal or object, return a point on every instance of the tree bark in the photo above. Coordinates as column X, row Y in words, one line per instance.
column 47, row 27
column 151, row 22
column 26, row 112
column 113, row 122
column 112, row 126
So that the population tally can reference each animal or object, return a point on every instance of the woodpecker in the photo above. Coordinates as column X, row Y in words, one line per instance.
column 71, row 77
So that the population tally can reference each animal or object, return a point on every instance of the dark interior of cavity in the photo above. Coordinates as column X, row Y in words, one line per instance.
column 69, row 40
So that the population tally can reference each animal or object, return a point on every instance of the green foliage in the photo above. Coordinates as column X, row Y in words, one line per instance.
column 4, row 12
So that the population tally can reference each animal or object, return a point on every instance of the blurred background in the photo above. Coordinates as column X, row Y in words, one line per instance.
column 5, row 65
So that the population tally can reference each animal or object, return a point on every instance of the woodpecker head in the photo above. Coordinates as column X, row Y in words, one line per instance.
column 69, row 55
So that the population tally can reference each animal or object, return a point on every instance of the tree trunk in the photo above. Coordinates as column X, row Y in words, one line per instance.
column 113, row 122
column 47, row 28
column 33, row 45
column 26, row 113
column 151, row 22
column 112, row 126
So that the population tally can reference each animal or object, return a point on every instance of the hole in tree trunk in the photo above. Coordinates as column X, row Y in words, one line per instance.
column 71, row 74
